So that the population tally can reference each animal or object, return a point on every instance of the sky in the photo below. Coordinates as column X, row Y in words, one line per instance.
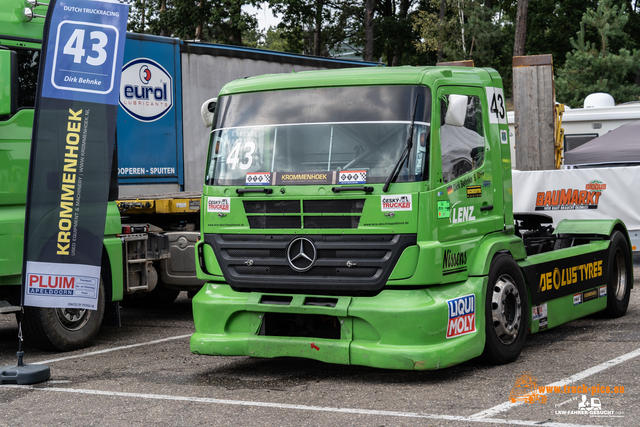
column 265, row 16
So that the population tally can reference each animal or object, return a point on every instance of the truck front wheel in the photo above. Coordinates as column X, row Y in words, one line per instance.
column 62, row 329
column 620, row 274
column 505, row 312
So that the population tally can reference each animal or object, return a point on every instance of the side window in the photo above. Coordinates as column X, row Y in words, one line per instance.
column 461, row 135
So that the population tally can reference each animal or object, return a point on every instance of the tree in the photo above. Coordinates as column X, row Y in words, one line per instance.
column 462, row 30
column 311, row 26
column 274, row 39
column 370, row 8
column 394, row 30
column 220, row 21
column 551, row 24
column 521, row 28
column 589, row 69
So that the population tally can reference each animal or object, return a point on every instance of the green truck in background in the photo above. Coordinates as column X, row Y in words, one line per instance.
column 364, row 217
column 132, row 251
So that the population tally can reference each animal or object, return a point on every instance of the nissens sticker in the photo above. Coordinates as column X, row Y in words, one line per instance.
column 396, row 202
column 218, row 204
column 146, row 90
column 462, row 316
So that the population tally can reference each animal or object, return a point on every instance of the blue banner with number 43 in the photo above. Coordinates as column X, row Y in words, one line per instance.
column 72, row 147
column 85, row 50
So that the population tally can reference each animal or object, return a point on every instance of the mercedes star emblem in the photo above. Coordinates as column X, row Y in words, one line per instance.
column 301, row 254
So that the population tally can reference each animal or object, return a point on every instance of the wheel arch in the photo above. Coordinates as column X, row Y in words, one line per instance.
column 603, row 227
column 492, row 245
column 112, row 270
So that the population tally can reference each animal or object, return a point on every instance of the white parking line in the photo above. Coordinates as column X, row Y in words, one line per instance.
column 109, row 350
column 297, row 407
column 569, row 380
column 480, row 417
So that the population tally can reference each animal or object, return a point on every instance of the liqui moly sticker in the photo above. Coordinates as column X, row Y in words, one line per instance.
column 396, row 202
column 462, row 316
column 218, row 204
column 258, row 178
column 602, row 291
column 353, row 177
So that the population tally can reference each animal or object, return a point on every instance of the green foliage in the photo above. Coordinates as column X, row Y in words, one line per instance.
column 316, row 27
column 470, row 30
column 551, row 24
column 607, row 20
column 220, row 21
column 589, row 69
column 276, row 39
column 409, row 32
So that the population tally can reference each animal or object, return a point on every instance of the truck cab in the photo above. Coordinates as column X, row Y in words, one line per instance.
column 365, row 217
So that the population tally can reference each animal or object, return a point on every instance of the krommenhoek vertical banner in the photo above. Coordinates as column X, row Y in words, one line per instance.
column 71, row 152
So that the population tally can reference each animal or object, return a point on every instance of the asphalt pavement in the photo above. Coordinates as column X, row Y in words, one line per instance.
column 144, row 374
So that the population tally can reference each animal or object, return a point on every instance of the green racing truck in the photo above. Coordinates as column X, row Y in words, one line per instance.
column 364, row 217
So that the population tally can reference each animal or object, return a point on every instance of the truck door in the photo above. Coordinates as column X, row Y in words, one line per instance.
column 463, row 179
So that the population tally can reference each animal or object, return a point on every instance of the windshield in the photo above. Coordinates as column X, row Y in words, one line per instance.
column 318, row 136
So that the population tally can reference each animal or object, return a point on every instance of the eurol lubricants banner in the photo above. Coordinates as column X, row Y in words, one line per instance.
column 594, row 193
column 71, row 152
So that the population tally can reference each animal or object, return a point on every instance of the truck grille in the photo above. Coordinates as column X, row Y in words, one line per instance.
column 287, row 214
column 347, row 264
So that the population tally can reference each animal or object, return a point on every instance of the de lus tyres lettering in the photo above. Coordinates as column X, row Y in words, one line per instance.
column 566, row 276
column 68, row 186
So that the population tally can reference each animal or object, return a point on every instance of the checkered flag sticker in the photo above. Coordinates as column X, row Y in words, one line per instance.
column 258, row 178
column 353, row 177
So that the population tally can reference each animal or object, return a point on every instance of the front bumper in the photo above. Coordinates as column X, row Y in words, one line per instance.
column 396, row 329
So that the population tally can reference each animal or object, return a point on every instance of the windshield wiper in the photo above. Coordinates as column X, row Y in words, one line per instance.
column 396, row 169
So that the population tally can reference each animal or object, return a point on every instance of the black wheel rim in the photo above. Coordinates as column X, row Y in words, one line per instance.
column 73, row 319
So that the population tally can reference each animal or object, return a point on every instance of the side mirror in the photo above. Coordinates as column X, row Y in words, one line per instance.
column 457, row 110
column 8, row 82
column 207, row 110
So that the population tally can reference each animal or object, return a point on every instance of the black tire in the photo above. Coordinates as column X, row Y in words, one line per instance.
column 620, row 276
column 506, row 312
column 57, row 329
